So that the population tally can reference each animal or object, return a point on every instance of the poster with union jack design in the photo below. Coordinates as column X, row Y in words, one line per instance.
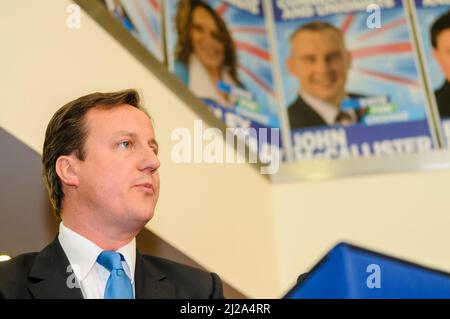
column 143, row 19
column 350, row 80
column 220, row 51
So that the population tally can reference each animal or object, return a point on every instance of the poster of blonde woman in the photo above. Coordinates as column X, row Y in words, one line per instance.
column 220, row 51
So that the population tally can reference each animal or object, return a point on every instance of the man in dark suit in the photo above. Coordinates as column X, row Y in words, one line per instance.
column 302, row 115
column 100, row 167
column 320, row 62
column 440, row 40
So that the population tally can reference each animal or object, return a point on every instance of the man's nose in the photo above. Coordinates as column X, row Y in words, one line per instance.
column 149, row 160
column 322, row 66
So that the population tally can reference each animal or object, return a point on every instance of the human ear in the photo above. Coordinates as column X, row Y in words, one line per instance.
column 290, row 65
column 66, row 168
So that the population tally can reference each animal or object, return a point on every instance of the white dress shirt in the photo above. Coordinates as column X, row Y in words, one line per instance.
column 82, row 255
column 327, row 111
column 202, row 86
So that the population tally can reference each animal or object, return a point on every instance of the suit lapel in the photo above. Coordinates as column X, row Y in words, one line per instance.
column 151, row 283
column 50, row 275
column 302, row 115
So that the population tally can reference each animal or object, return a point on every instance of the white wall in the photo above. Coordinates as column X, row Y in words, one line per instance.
column 219, row 215
column 404, row 215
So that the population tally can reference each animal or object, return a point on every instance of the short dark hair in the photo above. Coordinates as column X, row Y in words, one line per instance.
column 66, row 134
column 315, row 26
column 442, row 23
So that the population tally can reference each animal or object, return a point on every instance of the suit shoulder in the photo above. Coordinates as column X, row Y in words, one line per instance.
column 20, row 264
column 442, row 96
column 296, row 112
column 170, row 267
column 189, row 281
column 14, row 273
column 294, row 105
column 302, row 115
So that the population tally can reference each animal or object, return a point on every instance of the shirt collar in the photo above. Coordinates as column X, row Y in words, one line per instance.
column 129, row 254
column 82, row 253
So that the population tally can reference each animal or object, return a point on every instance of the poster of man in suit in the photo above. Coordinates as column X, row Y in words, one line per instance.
column 350, row 88
column 433, row 25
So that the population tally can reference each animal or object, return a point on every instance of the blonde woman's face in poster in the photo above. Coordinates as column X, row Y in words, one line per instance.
column 206, row 39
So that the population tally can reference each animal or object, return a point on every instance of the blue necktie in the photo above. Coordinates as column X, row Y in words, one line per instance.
column 118, row 285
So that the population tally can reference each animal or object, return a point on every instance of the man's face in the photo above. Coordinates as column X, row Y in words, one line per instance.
column 206, row 39
column 442, row 52
column 119, row 179
column 320, row 61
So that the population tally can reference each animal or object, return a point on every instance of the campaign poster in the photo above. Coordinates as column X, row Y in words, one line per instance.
column 220, row 51
column 143, row 19
column 350, row 79
column 432, row 19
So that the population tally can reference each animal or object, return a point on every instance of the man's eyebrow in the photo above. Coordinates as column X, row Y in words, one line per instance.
column 122, row 132
column 307, row 55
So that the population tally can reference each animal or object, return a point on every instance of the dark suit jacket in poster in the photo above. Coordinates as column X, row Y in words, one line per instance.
column 302, row 115
column 44, row 275
column 443, row 100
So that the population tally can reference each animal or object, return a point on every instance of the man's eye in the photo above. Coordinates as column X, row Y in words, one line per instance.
column 334, row 57
column 125, row 144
